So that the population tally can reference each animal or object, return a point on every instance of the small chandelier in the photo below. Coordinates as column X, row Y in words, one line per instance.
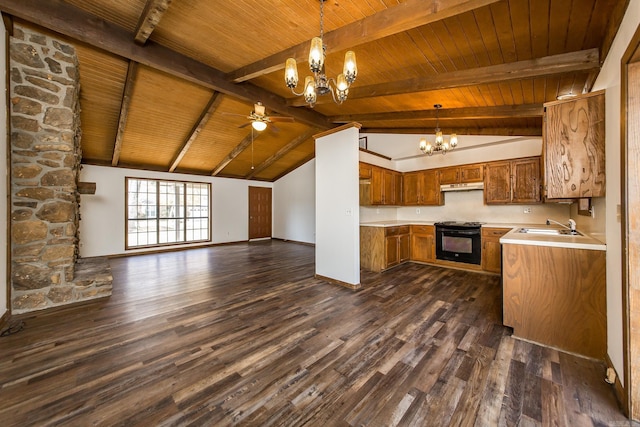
column 440, row 144
column 319, row 84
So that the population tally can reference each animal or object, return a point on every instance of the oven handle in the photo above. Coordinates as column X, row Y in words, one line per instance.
column 463, row 232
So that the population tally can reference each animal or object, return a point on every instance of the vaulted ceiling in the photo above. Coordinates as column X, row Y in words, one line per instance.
column 167, row 85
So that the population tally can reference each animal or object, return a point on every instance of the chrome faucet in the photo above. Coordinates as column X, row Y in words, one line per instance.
column 571, row 226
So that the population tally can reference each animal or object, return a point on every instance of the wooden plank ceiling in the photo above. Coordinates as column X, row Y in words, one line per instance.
column 167, row 85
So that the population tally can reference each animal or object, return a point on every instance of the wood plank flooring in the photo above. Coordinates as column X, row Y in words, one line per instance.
column 244, row 335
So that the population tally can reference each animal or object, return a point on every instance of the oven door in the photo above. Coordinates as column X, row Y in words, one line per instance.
column 458, row 245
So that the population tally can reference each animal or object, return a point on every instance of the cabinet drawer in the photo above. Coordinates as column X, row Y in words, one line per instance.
column 396, row 231
column 494, row 232
column 422, row 229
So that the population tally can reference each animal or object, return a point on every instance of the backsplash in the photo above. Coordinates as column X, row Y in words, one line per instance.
column 469, row 206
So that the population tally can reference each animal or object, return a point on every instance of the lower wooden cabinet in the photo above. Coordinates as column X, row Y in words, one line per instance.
column 556, row 297
column 423, row 244
column 384, row 247
column 491, row 252
column 396, row 246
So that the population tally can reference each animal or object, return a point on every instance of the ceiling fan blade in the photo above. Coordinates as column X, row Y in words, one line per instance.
column 244, row 125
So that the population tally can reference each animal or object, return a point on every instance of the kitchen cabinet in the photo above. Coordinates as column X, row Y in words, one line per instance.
column 397, row 245
column 384, row 247
column 385, row 187
column 422, row 188
column 462, row 174
column 574, row 147
column 512, row 181
column 556, row 296
column 364, row 171
column 491, row 250
column 423, row 244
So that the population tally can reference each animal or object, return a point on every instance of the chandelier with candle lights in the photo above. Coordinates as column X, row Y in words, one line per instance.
column 319, row 83
column 440, row 144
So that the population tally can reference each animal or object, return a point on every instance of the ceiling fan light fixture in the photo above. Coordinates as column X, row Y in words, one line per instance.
column 259, row 125
column 440, row 143
column 321, row 84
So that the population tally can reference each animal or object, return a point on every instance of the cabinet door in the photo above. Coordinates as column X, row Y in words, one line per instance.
column 365, row 171
column 471, row 173
column 449, row 176
column 389, row 191
column 397, row 187
column 410, row 188
column 526, row 180
column 391, row 251
column 491, row 249
column 377, row 186
column 574, row 147
column 404, row 247
column 430, row 191
column 491, row 260
column 423, row 246
column 497, row 183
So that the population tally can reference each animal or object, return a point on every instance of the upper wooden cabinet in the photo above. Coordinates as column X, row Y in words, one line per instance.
column 365, row 171
column 383, row 188
column 462, row 174
column 421, row 188
column 574, row 147
column 512, row 181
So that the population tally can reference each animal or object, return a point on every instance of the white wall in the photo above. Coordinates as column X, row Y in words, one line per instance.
column 294, row 205
column 337, row 200
column 609, row 79
column 4, row 174
column 102, row 227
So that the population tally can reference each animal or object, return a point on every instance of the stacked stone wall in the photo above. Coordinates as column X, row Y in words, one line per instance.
column 45, row 163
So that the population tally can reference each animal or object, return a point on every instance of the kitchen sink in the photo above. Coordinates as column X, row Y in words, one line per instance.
column 550, row 231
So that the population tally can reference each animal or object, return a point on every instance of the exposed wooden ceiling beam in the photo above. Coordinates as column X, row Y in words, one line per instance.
column 535, row 131
column 212, row 105
column 74, row 22
column 501, row 111
column 582, row 60
column 405, row 16
column 281, row 152
column 244, row 144
column 124, row 110
column 151, row 16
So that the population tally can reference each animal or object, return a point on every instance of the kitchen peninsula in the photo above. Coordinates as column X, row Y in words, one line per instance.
column 554, row 290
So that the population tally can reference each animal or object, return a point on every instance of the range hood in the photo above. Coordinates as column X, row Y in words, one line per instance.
column 462, row 187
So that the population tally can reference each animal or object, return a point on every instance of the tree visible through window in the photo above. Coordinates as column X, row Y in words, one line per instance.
column 166, row 212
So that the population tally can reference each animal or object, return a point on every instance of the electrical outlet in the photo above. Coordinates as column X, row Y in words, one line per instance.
column 378, row 211
column 348, row 212
column 527, row 210
column 418, row 210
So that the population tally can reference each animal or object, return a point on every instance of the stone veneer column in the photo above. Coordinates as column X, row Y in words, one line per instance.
column 45, row 161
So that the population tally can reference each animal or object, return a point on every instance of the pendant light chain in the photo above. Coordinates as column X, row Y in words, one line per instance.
column 322, row 21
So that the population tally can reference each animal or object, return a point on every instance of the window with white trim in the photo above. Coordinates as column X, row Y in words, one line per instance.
column 163, row 213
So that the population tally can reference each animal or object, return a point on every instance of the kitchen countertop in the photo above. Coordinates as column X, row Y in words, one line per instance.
column 562, row 241
column 513, row 237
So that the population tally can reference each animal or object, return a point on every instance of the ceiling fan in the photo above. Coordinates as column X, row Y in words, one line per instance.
column 259, row 119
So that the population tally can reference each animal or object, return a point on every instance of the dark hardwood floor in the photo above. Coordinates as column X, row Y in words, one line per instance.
column 244, row 334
